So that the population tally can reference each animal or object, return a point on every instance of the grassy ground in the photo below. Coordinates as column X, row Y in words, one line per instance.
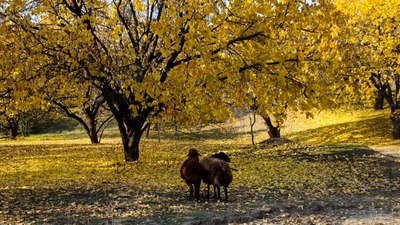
column 328, row 175
column 367, row 127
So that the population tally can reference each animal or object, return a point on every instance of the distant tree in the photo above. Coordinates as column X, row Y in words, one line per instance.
column 10, row 126
column 86, row 105
column 20, row 92
column 299, row 70
column 372, row 52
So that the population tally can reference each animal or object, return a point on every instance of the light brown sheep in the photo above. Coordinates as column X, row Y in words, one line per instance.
column 216, row 172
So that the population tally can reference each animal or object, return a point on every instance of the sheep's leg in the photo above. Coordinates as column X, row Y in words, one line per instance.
column 226, row 193
column 215, row 191
column 197, row 190
column 190, row 191
column 218, row 192
column 208, row 191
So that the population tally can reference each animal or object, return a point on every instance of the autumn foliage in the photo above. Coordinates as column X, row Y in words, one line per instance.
column 194, row 62
column 190, row 62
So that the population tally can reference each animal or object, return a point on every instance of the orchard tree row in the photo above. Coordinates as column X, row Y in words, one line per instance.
column 193, row 61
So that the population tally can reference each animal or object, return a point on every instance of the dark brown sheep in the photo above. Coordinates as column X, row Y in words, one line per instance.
column 221, row 155
column 218, row 173
column 225, row 157
column 191, row 172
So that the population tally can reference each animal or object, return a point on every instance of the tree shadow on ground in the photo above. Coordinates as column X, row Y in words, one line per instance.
column 335, row 152
column 54, row 206
column 207, row 134
column 369, row 131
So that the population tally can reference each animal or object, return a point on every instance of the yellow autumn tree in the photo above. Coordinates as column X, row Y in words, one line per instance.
column 372, row 51
column 129, row 49
column 20, row 101
column 296, row 65
column 199, row 58
column 293, row 65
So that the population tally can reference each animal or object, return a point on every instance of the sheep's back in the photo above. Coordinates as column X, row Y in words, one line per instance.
column 224, row 178
column 191, row 170
column 216, row 171
column 210, row 163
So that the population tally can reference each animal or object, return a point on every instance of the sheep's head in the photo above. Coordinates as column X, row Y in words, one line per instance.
column 194, row 153
column 222, row 156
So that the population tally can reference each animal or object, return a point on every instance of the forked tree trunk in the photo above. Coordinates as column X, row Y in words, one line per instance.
column 131, row 147
column 384, row 89
column 90, row 123
column 131, row 125
column 90, row 127
column 395, row 118
column 395, row 109
column 131, row 139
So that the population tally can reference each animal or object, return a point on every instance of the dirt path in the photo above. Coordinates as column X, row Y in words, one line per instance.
column 393, row 151
column 379, row 209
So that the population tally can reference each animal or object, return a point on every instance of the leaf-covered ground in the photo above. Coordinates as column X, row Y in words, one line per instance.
column 58, row 183
column 64, row 181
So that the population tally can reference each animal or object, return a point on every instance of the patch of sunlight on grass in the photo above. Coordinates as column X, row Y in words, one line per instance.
column 362, row 126
column 297, row 123
column 52, row 163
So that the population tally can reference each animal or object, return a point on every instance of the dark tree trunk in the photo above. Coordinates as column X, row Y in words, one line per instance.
column 395, row 118
column 13, row 132
column 131, row 125
column 395, row 109
column 383, row 88
column 131, row 137
column 94, row 138
column 273, row 131
column 90, row 127
column 131, row 147
column 13, row 128
column 379, row 100
column 396, row 126
column 91, row 113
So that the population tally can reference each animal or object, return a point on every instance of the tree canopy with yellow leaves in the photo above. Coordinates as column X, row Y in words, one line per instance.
column 372, row 49
column 189, row 60
column 19, row 99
